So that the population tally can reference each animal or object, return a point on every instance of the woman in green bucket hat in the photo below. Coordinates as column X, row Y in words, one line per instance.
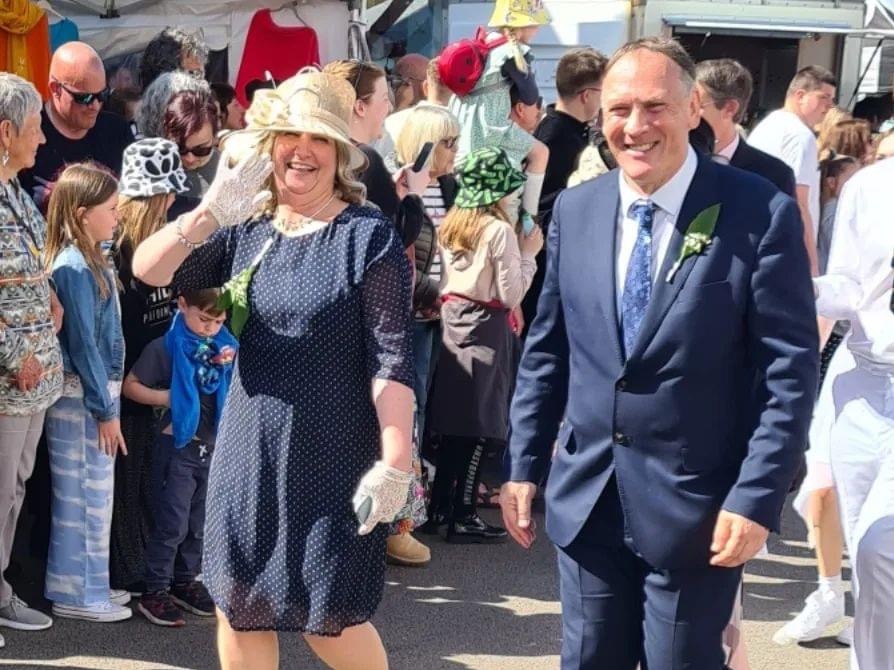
column 486, row 269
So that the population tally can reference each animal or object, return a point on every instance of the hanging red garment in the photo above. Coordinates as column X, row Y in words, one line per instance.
column 280, row 50
column 25, row 43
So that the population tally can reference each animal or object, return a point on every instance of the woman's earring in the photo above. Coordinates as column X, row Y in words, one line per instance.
column 5, row 158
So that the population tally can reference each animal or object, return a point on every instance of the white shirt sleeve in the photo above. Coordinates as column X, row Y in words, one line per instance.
column 840, row 290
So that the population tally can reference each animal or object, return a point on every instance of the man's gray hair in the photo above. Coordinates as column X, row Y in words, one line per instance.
column 151, row 120
column 665, row 46
column 18, row 99
column 725, row 79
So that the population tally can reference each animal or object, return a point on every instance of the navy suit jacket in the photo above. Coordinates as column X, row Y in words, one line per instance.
column 746, row 157
column 678, row 422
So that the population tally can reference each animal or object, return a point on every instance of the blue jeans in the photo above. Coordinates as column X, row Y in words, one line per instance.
column 178, row 488
column 426, row 347
column 83, row 481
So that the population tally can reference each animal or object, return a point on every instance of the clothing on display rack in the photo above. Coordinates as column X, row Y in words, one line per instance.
column 25, row 43
column 283, row 50
column 62, row 32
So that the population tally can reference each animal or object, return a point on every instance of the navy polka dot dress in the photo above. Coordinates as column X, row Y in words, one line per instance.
column 330, row 311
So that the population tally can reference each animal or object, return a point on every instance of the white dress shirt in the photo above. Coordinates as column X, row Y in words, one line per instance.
column 858, row 280
column 728, row 151
column 668, row 199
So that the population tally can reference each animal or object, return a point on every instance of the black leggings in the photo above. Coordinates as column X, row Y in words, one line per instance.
column 455, row 489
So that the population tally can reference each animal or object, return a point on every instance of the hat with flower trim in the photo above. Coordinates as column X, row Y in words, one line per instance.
column 485, row 177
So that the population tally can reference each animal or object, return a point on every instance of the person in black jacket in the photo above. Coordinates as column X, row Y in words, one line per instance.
column 725, row 87
column 399, row 197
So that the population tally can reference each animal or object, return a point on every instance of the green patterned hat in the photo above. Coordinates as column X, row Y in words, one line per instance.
column 486, row 176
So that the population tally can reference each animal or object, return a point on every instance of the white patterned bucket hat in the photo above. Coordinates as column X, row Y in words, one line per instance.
column 150, row 167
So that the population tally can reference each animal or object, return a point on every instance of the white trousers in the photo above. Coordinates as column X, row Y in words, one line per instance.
column 862, row 457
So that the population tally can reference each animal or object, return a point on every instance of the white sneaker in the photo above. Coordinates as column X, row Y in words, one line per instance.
column 846, row 637
column 119, row 596
column 100, row 613
column 822, row 608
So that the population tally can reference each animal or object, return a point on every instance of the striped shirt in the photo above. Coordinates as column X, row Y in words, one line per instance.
column 433, row 202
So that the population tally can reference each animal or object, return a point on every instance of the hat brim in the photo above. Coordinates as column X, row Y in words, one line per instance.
column 521, row 20
column 357, row 159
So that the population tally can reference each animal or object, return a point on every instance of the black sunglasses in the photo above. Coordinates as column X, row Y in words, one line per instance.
column 86, row 99
column 198, row 152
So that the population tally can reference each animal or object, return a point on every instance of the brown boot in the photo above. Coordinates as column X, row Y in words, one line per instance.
column 404, row 549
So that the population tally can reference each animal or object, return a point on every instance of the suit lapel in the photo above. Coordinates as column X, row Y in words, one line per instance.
column 701, row 194
column 603, row 241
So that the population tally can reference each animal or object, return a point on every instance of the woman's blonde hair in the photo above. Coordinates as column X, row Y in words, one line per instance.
column 462, row 228
column 517, row 54
column 830, row 120
column 347, row 186
column 81, row 185
column 850, row 137
column 361, row 75
column 138, row 218
column 425, row 123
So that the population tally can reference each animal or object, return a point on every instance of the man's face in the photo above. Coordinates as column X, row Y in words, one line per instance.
column 647, row 113
column 591, row 97
column 527, row 116
column 719, row 118
column 813, row 105
column 69, row 93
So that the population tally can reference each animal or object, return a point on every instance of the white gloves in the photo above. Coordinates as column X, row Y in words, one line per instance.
column 381, row 494
column 237, row 192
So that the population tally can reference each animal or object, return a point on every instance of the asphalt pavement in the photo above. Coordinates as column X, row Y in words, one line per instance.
column 475, row 607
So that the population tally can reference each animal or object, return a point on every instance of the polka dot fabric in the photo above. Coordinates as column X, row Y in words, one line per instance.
column 330, row 311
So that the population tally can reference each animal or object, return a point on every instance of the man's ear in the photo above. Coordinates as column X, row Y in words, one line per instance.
column 695, row 108
column 732, row 107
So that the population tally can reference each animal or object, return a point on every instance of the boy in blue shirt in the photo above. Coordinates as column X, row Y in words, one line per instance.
column 187, row 372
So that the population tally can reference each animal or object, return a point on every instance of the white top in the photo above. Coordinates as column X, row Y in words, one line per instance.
column 728, row 151
column 784, row 135
column 669, row 199
column 858, row 280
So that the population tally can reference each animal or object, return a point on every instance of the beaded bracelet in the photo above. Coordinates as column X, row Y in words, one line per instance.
column 178, row 226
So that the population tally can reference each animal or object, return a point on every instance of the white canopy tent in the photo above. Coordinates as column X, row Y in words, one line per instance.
column 224, row 23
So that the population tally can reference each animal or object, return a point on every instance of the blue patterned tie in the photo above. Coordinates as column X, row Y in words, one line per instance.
column 638, row 284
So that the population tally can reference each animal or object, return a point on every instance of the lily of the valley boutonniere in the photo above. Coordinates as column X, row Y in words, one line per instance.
column 697, row 238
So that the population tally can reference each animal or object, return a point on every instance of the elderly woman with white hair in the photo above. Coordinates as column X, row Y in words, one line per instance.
column 313, row 452
column 171, row 50
column 30, row 358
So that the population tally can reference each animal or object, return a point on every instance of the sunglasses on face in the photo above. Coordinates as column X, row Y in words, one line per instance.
column 199, row 151
column 86, row 99
column 450, row 142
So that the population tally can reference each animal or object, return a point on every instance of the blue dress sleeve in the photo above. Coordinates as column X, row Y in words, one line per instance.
column 387, row 299
column 208, row 266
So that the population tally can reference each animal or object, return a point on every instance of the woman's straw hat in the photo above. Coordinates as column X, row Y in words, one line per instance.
column 519, row 14
column 309, row 102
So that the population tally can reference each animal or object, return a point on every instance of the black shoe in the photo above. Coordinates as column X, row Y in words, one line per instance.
column 193, row 597
column 433, row 525
column 473, row 529
column 160, row 609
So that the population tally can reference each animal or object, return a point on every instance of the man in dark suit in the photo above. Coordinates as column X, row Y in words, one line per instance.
column 724, row 88
column 669, row 470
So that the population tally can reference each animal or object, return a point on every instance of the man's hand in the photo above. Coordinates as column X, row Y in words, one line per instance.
column 736, row 540
column 29, row 374
column 515, row 501
column 56, row 310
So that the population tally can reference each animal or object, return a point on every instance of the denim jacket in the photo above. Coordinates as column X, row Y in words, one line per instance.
column 91, row 337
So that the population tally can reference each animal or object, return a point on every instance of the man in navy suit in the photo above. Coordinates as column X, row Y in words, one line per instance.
column 669, row 469
column 725, row 87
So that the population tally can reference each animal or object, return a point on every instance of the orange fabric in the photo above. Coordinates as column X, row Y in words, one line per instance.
column 25, row 43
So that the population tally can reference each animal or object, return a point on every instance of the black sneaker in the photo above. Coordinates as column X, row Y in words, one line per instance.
column 193, row 597
column 160, row 609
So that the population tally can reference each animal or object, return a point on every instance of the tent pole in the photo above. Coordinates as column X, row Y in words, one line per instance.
column 865, row 72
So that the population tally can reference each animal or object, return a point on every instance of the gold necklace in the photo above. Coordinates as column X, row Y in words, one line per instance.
column 294, row 225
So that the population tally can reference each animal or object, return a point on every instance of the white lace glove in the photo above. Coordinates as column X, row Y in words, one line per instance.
column 381, row 494
column 236, row 192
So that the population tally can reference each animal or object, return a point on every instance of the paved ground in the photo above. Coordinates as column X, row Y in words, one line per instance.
column 475, row 608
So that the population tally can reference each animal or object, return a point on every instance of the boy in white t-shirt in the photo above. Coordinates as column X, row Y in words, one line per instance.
column 788, row 134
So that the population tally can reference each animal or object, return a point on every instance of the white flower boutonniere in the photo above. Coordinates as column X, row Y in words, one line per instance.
column 698, row 237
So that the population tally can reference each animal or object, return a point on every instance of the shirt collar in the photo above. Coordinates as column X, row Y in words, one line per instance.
column 566, row 118
column 669, row 198
column 728, row 151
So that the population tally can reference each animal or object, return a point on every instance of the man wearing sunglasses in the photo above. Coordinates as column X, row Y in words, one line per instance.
column 75, row 126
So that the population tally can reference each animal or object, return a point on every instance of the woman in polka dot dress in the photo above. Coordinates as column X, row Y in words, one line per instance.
column 322, row 392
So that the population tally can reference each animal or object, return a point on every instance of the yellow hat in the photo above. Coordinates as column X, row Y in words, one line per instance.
column 519, row 14
column 309, row 102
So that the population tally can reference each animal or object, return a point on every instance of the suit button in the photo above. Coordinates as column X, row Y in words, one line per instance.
column 622, row 439
column 621, row 385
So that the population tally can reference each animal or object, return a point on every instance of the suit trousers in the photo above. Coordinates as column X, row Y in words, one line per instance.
column 619, row 612
column 19, row 436
column 862, row 455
